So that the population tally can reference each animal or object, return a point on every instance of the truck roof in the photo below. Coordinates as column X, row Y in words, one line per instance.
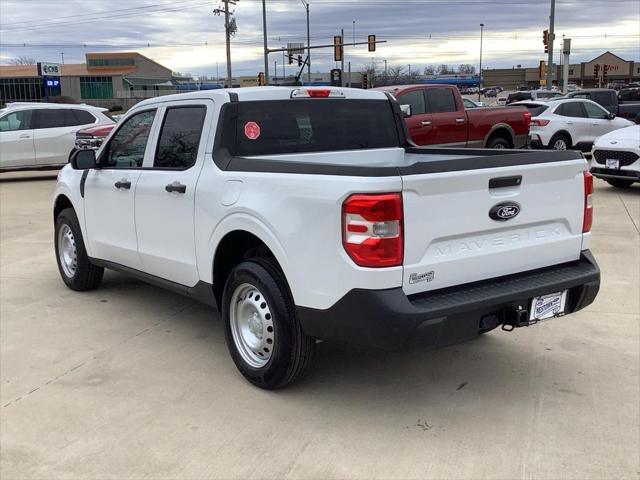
column 262, row 93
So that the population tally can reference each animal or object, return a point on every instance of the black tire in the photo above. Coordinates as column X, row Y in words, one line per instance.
column 86, row 276
column 559, row 139
column 498, row 142
column 619, row 183
column 292, row 349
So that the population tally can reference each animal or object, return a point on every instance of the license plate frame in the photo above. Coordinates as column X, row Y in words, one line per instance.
column 548, row 306
column 612, row 163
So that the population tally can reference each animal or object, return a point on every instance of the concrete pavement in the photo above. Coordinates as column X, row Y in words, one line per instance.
column 130, row 381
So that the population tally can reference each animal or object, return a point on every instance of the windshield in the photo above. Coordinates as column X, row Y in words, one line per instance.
column 314, row 125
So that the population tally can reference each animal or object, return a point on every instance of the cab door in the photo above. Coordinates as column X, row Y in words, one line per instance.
column 450, row 123
column 165, row 194
column 419, row 123
column 16, row 139
column 109, row 196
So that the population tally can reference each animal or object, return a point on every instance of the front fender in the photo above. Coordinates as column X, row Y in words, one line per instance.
column 68, row 185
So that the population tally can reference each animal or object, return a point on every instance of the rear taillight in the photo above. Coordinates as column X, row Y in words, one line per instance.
column 539, row 122
column 588, row 202
column 527, row 119
column 372, row 229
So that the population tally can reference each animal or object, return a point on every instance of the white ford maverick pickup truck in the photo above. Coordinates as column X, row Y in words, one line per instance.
column 305, row 214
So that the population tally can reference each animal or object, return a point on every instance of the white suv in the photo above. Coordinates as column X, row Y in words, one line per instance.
column 616, row 157
column 41, row 135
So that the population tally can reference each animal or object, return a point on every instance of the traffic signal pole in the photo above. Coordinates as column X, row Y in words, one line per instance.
column 552, row 38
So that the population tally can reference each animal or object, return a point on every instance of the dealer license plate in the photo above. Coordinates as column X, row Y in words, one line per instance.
column 548, row 306
column 611, row 163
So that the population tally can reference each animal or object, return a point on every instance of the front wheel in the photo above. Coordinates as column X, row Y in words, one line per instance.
column 76, row 270
column 262, row 333
column 620, row 183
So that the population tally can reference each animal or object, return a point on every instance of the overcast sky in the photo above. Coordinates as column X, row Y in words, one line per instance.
column 186, row 36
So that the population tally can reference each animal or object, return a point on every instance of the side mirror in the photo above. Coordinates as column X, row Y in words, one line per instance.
column 611, row 116
column 406, row 110
column 83, row 160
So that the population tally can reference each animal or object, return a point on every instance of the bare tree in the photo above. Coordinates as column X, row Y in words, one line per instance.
column 445, row 70
column 22, row 60
column 466, row 69
column 372, row 71
column 396, row 72
column 429, row 70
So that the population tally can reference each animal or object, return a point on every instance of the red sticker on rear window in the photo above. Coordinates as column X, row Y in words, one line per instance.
column 251, row 130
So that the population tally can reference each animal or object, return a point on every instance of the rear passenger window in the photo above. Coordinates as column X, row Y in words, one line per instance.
column 441, row 100
column 571, row 109
column 415, row 99
column 180, row 137
column 50, row 118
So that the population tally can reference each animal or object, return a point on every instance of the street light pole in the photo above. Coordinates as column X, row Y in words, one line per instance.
column 306, row 6
column 480, row 73
column 266, row 51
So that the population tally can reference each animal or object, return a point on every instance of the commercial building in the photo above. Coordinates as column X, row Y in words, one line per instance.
column 582, row 74
column 105, row 79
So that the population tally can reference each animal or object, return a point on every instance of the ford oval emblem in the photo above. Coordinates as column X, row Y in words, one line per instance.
column 504, row 211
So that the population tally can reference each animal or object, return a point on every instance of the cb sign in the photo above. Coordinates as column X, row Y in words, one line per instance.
column 49, row 69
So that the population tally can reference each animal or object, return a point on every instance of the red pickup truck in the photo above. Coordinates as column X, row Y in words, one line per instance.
column 435, row 115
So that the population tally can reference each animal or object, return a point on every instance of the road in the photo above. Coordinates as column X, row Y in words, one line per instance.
column 131, row 381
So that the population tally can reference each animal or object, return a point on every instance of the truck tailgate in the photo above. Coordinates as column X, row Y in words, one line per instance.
column 450, row 238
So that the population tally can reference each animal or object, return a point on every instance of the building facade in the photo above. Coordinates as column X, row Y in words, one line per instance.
column 582, row 74
column 105, row 79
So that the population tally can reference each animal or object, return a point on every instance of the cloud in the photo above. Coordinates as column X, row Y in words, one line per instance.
column 187, row 36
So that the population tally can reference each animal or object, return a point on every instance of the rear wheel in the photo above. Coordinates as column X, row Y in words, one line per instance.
column 499, row 143
column 560, row 142
column 620, row 183
column 76, row 270
column 263, row 335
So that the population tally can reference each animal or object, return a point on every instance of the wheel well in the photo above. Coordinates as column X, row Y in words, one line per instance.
column 62, row 202
column 501, row 133
column 234, row 248
column 563, row 133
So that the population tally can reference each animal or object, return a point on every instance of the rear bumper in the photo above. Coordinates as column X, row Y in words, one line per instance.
column 390, row 320
column 606, row 173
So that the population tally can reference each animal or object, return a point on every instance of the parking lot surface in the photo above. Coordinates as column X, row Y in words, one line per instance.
column 130, row 381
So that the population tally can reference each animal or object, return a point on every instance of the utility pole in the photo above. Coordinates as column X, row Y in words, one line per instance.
column 480, row 73
column 551, row 38
column 266, row 50
column 342, row 61
column 227, row 31
column 306, row 6
column 385, row 70
column 62, row 55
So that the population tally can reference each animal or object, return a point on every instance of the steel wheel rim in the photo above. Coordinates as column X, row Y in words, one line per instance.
column 499, row 146
column 251, row 325
column 67, row 253
column 560, row 145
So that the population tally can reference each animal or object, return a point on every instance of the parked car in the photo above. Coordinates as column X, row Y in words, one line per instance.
column 572, row 87
column 570, row 123
column 381, row 261
column 435, row 115
column 532, row 95
column 492, row 92
column 41, row 135
column 616, row 157
column 625, row 104
column 468, row 103
column 502, row 100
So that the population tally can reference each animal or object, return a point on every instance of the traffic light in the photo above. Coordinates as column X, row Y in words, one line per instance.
column 596, row 70
column 290, row 57
column 365, row 80
column 372, row 43
column 545, row 40
column 542, row 70
column 261, row 79
column 337, row 48
column 605, row 70
column 299, row 60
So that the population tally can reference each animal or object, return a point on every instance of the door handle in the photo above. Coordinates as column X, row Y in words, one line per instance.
column 569, row 123
column 460, row 120
column 25, row 135
column 176, row 187
column 425, row 123
column 123, row 184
